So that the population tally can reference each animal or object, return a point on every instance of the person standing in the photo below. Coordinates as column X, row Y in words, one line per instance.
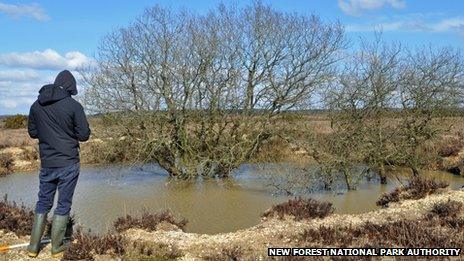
column 59, row 123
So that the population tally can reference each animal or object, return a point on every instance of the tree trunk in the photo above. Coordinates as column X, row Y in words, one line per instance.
column 383, row 177
column 347, row 180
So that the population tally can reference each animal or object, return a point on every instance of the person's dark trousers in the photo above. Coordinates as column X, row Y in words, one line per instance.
column 64, row 180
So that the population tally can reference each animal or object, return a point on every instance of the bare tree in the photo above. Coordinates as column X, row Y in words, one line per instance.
column 361, row 103
column 384, row 104
column 431, row 86
column 204, row 90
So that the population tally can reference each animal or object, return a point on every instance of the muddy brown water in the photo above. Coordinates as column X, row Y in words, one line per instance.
column 107, row 192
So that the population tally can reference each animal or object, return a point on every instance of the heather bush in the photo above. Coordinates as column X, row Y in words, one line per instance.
column 148, row 221
column 85, row 246
column 450, row 208
column 402, row 233
column 301, row 208
column 234, row 253
column 418, row 187
column 15, row 218
column 151, row 251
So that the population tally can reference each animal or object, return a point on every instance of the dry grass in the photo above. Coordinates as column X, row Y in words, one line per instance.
column 6, row 163
column 451, row 146
column 300, row 208
column 29, row 154
column 109, row 151
column 15, row 138
column 148, row 221
column 418, row 187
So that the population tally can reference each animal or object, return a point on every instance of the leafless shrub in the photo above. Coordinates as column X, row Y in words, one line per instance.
column 15, row 218
column 301, row 208
column 84, row 246
column 431, row 83
column 148, row 221
column 384, row 103
column 418, row 187
column 360, row 102
column 15, row 138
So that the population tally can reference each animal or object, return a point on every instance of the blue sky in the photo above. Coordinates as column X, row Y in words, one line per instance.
column 40, row 38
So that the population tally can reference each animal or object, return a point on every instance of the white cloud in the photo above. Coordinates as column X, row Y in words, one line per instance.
column 19, row 75
column 356, row 7
column 19, row 95
column 15, row 103
column 456, row 23
column 30, row 10
column 8, row 104
column 407, row 24
column 20, row 88
column 48, row 59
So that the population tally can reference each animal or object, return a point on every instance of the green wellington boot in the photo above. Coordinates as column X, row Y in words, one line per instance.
column 36, row 235
column 59, row 225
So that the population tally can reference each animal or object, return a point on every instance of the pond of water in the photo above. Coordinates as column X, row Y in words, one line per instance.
column 107, row 192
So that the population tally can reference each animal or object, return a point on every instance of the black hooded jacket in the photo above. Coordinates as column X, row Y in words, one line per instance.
column 59, row 122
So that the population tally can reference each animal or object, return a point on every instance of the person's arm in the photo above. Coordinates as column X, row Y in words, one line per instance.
column 81, row 126
column 31, row 126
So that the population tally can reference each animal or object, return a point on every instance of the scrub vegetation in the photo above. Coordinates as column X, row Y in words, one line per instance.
column 230, row 253
column 149, row 221
column 300, row 208
column 85, row 246
column 418, row 187
column 15, row 122
column 442, row 227
column 15, row 218
column 151, row 251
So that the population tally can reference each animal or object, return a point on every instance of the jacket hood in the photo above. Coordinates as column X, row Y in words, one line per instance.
column 66, row 80
column 52, row 93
